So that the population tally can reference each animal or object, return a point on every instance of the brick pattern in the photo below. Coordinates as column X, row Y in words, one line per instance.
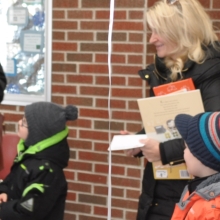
column 80, row 57
column 80, row 77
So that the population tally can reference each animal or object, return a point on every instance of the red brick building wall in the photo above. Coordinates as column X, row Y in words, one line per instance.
column 80, row 76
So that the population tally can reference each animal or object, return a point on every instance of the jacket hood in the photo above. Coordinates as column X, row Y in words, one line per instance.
column 54, row 149
column 209, row 181
column 209, row 188
column 203, row 189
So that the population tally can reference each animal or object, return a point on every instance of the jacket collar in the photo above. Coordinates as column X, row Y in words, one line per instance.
column 40, row 146
column 207, row 189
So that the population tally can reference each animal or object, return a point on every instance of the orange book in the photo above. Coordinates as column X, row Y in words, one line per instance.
column 186, row 84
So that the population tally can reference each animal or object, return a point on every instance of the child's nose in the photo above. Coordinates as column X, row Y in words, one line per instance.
column 19, row 122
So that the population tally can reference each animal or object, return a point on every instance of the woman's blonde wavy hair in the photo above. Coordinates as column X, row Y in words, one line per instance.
column 185, row 24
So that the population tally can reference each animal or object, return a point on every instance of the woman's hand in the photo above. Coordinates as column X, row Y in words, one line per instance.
column 3, row 197
column 150, row 150
column 133, row 151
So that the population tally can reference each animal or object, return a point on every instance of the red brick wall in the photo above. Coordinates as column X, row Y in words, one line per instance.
column 80, row 77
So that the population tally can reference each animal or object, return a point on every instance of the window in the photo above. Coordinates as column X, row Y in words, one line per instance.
column 25, row 40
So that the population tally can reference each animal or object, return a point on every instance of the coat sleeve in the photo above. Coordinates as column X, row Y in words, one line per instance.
column 40, row 195
column 3, row 83
column 172, row 151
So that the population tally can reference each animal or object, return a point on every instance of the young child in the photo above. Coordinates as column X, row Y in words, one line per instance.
column 200, row 199
column 36, row 187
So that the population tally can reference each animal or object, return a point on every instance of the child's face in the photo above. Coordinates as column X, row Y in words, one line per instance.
column 23, row 128
column 194, row 166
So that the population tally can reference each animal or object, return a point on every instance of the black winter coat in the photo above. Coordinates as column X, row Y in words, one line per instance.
column 158, row 197
column 36, row 186
column 3, row 83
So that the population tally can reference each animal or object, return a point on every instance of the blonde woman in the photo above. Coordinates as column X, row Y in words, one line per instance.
column 186, row 47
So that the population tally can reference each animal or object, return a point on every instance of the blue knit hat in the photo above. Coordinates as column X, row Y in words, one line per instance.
column 202, row 135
